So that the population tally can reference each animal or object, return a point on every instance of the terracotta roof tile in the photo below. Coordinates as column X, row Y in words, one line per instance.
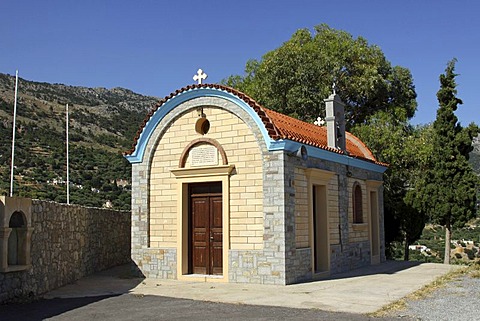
column 278, row 126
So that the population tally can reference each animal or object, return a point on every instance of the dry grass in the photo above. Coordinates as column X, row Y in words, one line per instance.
column 425, row 291
column 474, row 270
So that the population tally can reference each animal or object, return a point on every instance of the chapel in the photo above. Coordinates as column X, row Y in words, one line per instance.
column 226, row 190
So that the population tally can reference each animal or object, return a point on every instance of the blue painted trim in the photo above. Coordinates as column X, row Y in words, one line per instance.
column 292, row 147
column 169, row 105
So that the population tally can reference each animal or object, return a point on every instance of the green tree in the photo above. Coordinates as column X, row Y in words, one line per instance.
column 475, row 156
column 405, row 148
column 446, row 192
column 295, row 78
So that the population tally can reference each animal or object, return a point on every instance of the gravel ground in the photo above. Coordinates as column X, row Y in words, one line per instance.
column 459, row 300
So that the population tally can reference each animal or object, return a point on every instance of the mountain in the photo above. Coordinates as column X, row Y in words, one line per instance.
column 102, row 124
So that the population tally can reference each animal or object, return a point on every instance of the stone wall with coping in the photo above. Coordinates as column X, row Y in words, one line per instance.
column 68, row 242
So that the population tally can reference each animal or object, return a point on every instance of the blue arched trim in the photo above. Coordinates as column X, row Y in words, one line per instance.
column 272, row 145
column 169, row 105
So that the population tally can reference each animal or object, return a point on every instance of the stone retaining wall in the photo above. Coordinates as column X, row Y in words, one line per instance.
column 68, row 243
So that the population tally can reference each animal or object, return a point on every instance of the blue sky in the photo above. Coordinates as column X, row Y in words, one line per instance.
column 155, row 47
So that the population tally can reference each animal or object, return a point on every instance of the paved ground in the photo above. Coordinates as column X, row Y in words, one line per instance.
column 110, row 295
column 128, row 307
column 361, row 291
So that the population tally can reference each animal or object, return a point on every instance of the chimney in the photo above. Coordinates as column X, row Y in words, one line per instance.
column 335, row 119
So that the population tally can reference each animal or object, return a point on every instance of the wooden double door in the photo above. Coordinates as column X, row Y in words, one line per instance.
column 205, row 228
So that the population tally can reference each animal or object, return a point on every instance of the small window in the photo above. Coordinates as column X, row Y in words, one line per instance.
column 357, row 204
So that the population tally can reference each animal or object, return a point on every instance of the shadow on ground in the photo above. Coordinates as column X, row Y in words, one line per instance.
column 45, row 308
column 118, row 280
column 389, row 267
column 94, row 288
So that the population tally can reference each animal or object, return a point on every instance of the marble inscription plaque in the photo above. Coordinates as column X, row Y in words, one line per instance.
column 205, row 155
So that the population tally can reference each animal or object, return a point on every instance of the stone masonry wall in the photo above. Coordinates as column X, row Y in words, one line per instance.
column 266, row 266
column 68, row 243
column 349, row 243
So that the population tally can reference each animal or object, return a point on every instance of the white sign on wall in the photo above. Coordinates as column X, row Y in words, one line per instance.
column 205, row 155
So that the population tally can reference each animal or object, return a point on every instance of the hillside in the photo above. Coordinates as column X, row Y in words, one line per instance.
column 102, row 122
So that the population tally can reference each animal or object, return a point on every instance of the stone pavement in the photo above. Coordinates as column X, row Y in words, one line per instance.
column 363, row 290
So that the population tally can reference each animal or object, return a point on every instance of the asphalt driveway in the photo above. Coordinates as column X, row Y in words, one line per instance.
column 134, row 307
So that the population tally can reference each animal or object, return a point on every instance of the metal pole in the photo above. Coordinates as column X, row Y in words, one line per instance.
column 13, row 135
column 68, row 170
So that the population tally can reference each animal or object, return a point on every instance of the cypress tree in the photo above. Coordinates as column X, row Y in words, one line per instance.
column 447, row 192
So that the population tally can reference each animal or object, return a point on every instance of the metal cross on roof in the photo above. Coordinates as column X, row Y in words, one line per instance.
column 200, row 76
column 319, row 122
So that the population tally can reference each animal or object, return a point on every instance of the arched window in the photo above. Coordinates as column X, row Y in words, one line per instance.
column 357, row 204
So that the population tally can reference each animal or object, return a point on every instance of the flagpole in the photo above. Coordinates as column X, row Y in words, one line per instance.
column 68, row 170
column 13, row 135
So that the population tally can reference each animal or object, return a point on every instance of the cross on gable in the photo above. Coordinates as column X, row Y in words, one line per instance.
column 200, row 76
column 319, row 122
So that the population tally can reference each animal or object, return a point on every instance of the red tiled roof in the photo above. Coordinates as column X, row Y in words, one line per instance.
column 310, row 134
column 278, row 126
